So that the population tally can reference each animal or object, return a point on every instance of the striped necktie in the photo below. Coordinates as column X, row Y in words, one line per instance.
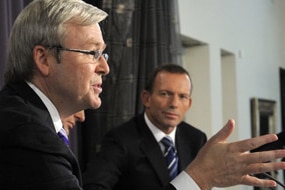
column 63, row 136
column 170, row 157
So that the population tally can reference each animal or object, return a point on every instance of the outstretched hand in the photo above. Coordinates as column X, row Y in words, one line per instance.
column 221, row 164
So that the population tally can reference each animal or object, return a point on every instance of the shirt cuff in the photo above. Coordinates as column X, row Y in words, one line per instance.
column 184, row 181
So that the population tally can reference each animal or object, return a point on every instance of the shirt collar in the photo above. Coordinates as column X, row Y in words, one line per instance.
column 157, row 133
column 50, row 107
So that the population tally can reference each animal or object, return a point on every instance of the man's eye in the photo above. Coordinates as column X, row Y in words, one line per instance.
column 184, row 97
column 163, row 94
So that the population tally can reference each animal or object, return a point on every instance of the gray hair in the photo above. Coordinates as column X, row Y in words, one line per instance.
column 43, row 22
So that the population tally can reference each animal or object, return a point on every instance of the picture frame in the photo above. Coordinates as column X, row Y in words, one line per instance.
column 263, row 116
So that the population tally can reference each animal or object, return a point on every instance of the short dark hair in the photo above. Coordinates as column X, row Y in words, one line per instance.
column 170, row 68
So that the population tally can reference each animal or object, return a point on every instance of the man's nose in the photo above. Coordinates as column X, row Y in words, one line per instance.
column 80, row 116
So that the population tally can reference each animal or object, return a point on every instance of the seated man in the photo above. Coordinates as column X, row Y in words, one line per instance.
column 132, row 155
column 136, row 154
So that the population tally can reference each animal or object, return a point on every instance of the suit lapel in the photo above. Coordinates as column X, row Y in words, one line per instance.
column 153, row 153
column 25, row 91
column 75, row 167
column 183, row 147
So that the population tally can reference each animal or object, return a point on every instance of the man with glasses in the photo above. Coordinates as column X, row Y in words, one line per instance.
column 55, row 69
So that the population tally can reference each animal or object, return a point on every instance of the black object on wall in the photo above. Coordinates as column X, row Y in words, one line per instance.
column 282, row 96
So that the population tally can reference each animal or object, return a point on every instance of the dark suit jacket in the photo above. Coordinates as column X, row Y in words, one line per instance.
column 131, row 159
column 32, row 156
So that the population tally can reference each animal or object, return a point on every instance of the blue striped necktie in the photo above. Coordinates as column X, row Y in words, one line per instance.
column 170, row 157
column 62, row 134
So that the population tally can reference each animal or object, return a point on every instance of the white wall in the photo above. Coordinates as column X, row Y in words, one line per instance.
column 254, row 31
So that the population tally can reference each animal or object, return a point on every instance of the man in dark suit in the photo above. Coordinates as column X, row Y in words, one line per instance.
column 55, row 68
column 52, row 72
column 131, row 156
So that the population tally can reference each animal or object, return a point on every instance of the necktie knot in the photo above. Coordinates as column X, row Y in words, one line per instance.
column 62, row 134
column 167, row 142
column 170, row 156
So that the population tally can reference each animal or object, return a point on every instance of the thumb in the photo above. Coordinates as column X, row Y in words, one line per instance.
column 224, row 133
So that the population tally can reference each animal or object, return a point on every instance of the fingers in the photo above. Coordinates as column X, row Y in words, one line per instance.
column 254, row 181
column 265, row 156
column 224, row 133
column 231, row 163
column 249, row 144
column 256, row 165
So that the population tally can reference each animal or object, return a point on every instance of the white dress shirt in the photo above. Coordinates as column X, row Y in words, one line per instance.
column 183, row 180
column 50, row 107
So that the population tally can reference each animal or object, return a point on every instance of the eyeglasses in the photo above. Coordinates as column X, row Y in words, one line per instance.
column 96, row 54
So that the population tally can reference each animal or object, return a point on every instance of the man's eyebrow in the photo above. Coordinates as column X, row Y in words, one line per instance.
column 96, row 44
column 104, row 46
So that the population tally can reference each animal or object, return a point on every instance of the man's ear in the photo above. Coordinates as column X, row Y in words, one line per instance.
column 190, row 102
column 40, row 55
column 145, row 98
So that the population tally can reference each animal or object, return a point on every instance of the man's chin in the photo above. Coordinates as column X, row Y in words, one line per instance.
column 96, row 104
